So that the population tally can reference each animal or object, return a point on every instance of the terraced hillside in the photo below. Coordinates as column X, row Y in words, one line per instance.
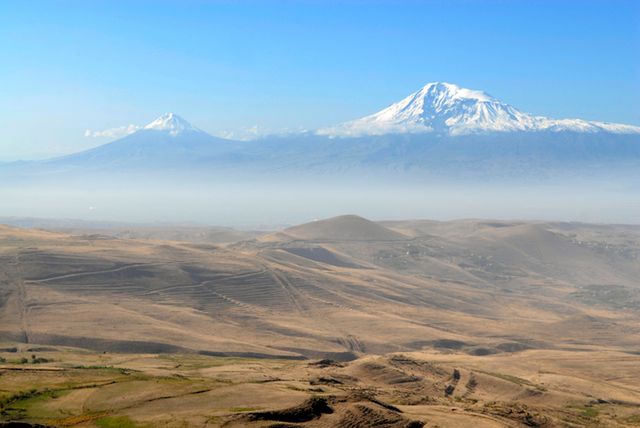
column 505, row 323
column 319, row 290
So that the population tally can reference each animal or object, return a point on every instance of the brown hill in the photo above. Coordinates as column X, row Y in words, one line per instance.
column 343, row 228
column 490, row 288
column 508, row 323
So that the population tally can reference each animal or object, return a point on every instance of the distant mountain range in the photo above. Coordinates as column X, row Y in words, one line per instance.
column 441, row 130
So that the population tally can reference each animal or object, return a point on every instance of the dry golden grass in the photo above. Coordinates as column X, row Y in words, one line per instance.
column 547, row 388
column 540, row 321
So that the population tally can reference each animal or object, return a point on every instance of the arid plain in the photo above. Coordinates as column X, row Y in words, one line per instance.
column 340, row 322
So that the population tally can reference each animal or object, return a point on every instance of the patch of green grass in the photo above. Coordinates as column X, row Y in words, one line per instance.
column 33, row 402
column 585, row 411
column 510, row 378
column 513, row 379
column 28, row 402
column 17, row 397
column 194, row 362
column 108, row 369
column 590, row 412
column 197, row 361
column 116, row 422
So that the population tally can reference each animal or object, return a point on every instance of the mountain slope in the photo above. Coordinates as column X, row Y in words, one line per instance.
column 168, row 140
column 345, row 227
column 444, row 108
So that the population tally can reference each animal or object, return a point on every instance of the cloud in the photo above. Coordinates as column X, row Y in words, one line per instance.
column 256, row 132
column 240, row 134
column 120, row 132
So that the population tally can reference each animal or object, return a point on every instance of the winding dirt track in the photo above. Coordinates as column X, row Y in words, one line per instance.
column 99, row 272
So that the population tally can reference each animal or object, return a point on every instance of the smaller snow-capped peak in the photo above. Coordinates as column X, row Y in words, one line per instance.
column 445, row 108
column 172, row 123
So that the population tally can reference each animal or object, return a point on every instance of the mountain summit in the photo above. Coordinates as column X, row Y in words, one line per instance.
column 167, row 142
column 445, row 108
column 172, row 123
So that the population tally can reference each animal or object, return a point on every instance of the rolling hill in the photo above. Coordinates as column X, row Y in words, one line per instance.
column 338, row 322
column 344, row 228
column 481, row 284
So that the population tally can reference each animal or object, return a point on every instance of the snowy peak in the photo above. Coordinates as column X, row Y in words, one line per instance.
column 172, row 123
column 442, row 92
column 445, row 108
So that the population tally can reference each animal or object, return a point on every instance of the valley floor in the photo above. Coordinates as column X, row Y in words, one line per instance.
column 70, row 387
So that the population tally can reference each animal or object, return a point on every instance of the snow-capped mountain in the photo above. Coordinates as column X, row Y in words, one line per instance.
column 440, row 131
column 168, row 140
column 171, row 123
column 447, row 109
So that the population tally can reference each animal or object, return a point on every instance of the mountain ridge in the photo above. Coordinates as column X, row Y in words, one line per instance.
column 440, row 131
column 446, row 108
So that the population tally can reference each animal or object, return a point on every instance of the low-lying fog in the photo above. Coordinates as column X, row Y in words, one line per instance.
column 260, row 203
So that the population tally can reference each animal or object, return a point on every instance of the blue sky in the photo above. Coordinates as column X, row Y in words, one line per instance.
column 67, row 66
